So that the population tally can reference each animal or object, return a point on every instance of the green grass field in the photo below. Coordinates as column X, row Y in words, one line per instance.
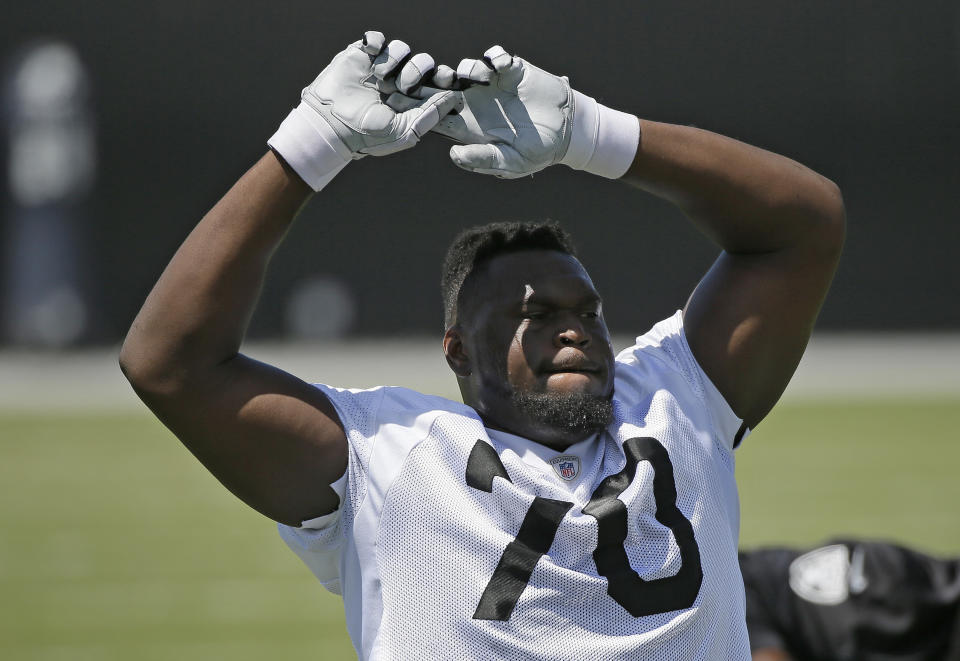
column 116, row 544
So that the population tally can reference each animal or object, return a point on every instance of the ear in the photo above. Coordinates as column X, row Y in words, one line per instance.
column 456, row 352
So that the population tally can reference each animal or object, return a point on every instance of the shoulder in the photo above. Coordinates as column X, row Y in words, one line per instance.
column 661, row 360
column 660, row 337
column 388, row 404
column 654, row 351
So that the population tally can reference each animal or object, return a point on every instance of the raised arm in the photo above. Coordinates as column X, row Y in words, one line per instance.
column 270, row 438
column 273, row 440
column 780, row 225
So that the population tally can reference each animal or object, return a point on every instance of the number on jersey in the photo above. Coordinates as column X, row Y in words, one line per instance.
column 539, row 528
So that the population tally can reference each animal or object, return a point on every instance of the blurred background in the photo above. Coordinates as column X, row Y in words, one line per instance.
column 121, row 124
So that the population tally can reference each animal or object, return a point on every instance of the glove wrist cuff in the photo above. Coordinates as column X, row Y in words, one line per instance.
column 310, row 146
column 603, row 141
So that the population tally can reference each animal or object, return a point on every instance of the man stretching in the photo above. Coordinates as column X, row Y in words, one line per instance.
column 575, row 505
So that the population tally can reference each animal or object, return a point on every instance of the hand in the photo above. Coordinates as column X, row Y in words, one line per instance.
column 343, row 115
column 515, row 120
column 518, row 119
column 349, row 95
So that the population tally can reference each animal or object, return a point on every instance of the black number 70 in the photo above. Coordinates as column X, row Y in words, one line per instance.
column 539, row 528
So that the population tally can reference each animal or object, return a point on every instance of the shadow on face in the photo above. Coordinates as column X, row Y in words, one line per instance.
column 531, row 328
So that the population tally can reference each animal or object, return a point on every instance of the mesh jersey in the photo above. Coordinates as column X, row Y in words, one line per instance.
column 452, row 543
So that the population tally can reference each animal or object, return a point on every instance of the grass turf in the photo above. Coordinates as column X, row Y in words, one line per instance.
column 116, row 543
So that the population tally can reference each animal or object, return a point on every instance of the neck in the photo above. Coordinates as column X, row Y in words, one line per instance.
column 553, row 438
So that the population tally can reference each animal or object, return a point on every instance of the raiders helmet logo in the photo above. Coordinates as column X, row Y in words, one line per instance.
column 821, row 576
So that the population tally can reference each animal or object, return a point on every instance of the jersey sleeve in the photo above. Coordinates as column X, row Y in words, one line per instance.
column 319, row 541
column 667, row 343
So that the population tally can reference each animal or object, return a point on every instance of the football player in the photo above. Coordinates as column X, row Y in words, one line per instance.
column 852, row 599
column 575, row 505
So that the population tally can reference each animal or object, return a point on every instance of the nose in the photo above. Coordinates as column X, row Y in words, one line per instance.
column 572, row 334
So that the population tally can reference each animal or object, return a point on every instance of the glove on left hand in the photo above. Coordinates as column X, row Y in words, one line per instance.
column 518, row 119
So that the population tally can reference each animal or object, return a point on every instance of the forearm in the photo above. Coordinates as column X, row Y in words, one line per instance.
column 745, row 198
column 196, row 315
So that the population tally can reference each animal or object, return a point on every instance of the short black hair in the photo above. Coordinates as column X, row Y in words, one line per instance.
column 476, row 245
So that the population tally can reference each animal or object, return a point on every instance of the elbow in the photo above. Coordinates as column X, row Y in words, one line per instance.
column 130, row 364
column 162, row 373
column 833, row 208
column 135, row 357
column 148, row 373
column 835, row 217
column 828, row 217
column 135, row 364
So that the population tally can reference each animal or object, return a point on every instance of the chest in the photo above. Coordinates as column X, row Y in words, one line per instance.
column 647, row 521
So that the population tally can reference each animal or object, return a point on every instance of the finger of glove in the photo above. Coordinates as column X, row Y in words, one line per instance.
column 496, row 159
column 389, row 58
column 414, row 71
column 387, row 86
column 422, row 92
column 403, row 102
column 497, row 58
column 408, row 127
column 451, row 125
column 416, row 99
column 444, row 77
column 438, row 106
column 476, row 71
column 373, row 41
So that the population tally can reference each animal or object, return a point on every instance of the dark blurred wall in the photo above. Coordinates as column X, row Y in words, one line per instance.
column 186, row 94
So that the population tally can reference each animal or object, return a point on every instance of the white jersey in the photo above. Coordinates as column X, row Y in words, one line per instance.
column 456, row 542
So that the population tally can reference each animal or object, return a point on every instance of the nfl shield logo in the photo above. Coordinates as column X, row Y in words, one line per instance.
column 567, row 466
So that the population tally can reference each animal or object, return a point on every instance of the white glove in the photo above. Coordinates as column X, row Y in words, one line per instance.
column 518, row 119
column 342, row 115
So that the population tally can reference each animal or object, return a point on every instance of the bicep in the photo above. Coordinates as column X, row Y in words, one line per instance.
column 749, row 321
column 273, row 440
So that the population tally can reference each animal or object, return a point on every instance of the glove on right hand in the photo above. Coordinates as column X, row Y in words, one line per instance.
column 343, row 115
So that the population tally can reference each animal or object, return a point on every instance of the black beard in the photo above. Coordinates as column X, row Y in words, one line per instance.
column 573, row 413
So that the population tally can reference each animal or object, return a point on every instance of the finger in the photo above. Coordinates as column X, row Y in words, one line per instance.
column 389, row 58
column 402, row 103
column 423, row 92
column 497, row 58
column 476, row 71
column 433, row 110
column 414, row 71
column 373, row 41
column 444, row 77
column 386, row 86
column 496, row 159
column 414, row 123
